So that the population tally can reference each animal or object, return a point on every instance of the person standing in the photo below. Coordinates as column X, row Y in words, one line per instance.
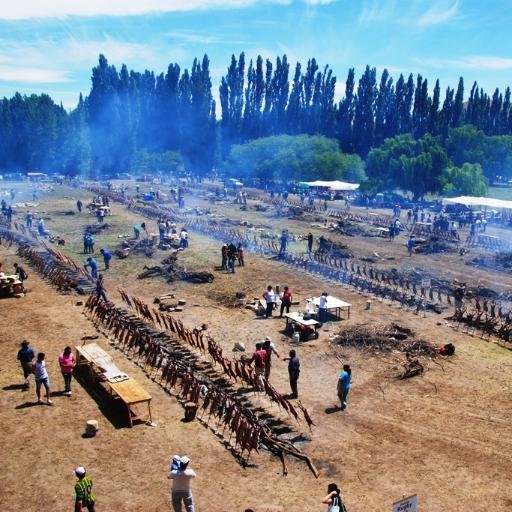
column 84, row 498
column 161, row 230
column 458, row 295
column 344, row 385
column 240, row 251
column 232, row 255
column 183, row 238
column 286, row 301
column 100, row 288
column 259, row 357
column 224, row 256
column 107, row 256
column 79, row 205
column 26, row 357
column 270, row 299
column 322, row 308
column 20, row 272
column 410, row 245
column 42, row 378
column 310, row 243
column 293, row 372
column 182, row 485
column 29, row 217
column 284, row 241
column 136, row 231
column 91, row 263
column 270, row 349
column 67, row 363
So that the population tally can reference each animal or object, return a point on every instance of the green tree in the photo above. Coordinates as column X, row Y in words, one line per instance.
column 467, row 180
column 297, row 158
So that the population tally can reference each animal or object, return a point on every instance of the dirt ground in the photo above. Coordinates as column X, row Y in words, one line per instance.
column 446, row 435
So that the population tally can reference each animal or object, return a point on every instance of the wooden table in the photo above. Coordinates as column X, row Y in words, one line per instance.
column 117, row 383
column 333, row 303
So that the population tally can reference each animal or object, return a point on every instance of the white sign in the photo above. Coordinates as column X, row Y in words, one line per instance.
column 409, row 504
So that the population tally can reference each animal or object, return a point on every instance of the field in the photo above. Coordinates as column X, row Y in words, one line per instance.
column 445, row 435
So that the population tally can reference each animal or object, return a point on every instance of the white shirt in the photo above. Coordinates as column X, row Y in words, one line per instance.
column 270, row 296
column 184, row 235
column 323, row 302
column 40, row 370
column 181, row 480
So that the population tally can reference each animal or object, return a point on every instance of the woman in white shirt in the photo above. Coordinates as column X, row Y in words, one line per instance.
column 270, row 298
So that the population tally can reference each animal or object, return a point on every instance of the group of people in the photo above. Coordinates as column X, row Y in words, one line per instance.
column 36, row 365
column 230, row 255
column 271, row 301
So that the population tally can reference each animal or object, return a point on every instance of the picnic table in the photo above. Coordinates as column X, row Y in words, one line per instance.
column 118, row 384
column 333, row 304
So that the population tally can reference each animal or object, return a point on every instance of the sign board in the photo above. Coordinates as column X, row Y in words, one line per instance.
column 425, row 283
column 409, row 504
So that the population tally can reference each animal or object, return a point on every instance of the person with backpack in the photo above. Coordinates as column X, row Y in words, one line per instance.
column 84, row 498
column 20, row 272
column 333, row 499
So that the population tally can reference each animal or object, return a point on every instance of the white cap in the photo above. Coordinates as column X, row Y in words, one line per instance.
column 185, row 459
column 80, row 471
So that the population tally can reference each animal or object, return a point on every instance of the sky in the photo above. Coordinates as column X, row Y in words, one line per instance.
column 50, row 46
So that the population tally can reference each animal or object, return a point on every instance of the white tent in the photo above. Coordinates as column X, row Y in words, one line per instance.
column 479, row 201
column 333, row 185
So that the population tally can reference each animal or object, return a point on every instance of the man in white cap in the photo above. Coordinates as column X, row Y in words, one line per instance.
column 84, row 498
column 181, row 485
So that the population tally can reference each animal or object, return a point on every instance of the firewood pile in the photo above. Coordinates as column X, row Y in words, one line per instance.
column 94, row 229
column 384, row 338
column 233, row 300
column 172, row 271
column 433, row 244
column 165, row 360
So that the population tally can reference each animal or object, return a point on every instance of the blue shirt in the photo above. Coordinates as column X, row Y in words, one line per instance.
column 92, row 263
column 345, row 379
column 107, row 255
column 25, row 354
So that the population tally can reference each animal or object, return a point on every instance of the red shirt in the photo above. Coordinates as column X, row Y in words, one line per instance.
column 287, row 296
column 260, row 358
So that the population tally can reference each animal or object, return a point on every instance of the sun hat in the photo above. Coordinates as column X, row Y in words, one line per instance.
column 80, row 471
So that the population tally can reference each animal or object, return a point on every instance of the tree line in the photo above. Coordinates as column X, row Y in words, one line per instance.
column 129, row 115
